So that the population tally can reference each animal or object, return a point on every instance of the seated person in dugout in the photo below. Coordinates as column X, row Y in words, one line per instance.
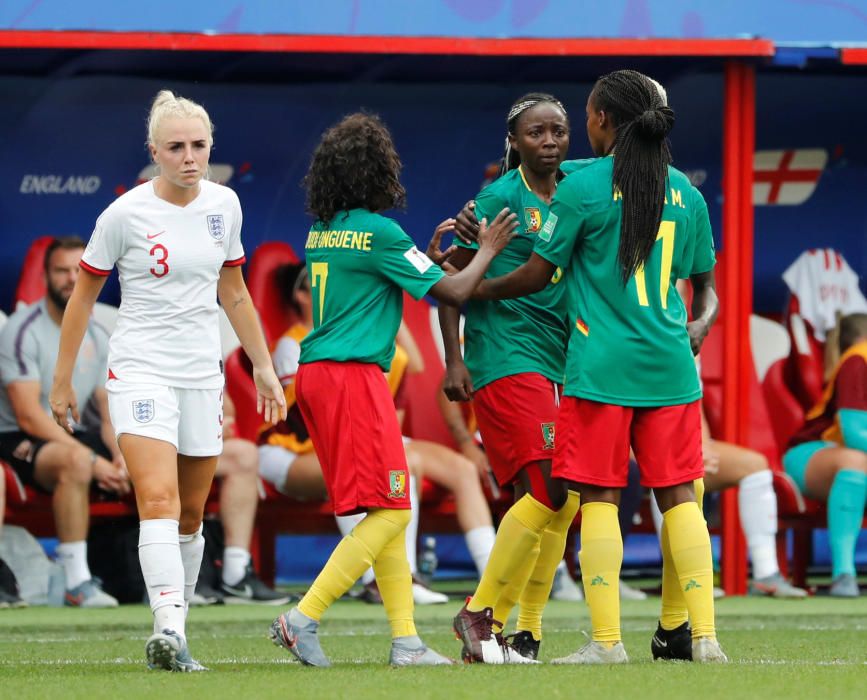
column 827, row 458
column 287, row 459
column 43, row 455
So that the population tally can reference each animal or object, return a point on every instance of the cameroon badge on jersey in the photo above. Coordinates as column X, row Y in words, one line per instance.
column 397, row 484
column 534, row 219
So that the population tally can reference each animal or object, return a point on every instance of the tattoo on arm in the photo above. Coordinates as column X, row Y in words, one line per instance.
column 238, row 302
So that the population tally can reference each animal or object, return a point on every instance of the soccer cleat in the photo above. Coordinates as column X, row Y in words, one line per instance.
column 627, row 592
column 411, row 651
column 706, row 650
column 250, row 589
column 422, row 595
column 11, row 600
column 775, row 586
column 672, row 645
column 596, row 653
column 511, row 655
column 168, row 651
column 524, row 644
column 206, row 595
column 370, row 593
column 845, row 586
column 475, row 630
column 89, row 595
column 564, row 588
column 296, row 633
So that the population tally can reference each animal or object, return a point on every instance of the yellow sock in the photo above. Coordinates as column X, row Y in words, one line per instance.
column 353, row 555
column 511, row 593
column 519, row 533
column 538, row 588
column 690, row 552
column 395, row 585
column 601, row 556
column 674, row 612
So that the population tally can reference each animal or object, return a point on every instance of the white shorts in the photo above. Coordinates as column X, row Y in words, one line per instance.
column 189, row 419
column 274, row 464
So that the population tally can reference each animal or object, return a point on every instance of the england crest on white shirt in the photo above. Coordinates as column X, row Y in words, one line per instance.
column 216, row 227
column 143, row 410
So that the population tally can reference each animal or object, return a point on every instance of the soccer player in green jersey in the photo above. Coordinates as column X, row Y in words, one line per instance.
column 625, row 229
column 515, row 355
column 359, row 264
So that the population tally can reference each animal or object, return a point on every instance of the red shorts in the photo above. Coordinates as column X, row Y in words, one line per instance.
column 516, row 417
column 593, row 442
column 349, row 412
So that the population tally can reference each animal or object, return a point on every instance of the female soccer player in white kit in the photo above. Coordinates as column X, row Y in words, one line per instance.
column 176, row 241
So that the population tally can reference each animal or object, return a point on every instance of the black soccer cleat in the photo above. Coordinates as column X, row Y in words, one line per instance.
column 672, row 645
column 524, row 644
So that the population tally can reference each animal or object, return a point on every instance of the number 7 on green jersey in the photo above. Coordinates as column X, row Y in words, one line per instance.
column 317, row 283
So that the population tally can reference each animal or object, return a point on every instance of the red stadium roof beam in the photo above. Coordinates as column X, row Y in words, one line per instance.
column 304, row 43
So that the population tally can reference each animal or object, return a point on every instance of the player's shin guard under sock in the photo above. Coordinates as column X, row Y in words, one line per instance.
column 192, row 548
column 601, row 556
column 691, row 554
column 511, row 593
column 520, row 531
column 674, row 612
column 757, row 505
column 845, row 512
column 551, row 548
column 353, row 554
column 395, row 585
column 159, row 553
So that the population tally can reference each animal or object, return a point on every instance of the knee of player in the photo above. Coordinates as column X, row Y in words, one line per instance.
column 241, row 458
column 189, row 522
column 854, row 460
column 158, row 503
column 756, row 462
column 77, row 466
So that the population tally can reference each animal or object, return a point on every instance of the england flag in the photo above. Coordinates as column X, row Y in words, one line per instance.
column 787, row 177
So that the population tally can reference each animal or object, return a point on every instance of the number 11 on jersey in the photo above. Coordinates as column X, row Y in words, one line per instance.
column 318, row 282
column 666, row 233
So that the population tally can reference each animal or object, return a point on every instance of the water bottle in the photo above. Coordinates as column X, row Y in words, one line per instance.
column 427, row 563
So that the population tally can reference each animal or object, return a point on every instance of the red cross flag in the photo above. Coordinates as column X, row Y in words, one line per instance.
column 787, row 177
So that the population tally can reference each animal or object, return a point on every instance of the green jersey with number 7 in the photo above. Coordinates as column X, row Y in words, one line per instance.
column 628, row 344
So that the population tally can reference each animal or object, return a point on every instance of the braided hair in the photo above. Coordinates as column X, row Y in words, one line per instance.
column 511, row 157
column 642, row 120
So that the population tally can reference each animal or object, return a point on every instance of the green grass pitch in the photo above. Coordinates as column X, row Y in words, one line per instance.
column 779, row 649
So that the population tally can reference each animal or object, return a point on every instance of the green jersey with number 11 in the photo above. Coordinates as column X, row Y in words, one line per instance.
column 628, row 343
column 358, row 265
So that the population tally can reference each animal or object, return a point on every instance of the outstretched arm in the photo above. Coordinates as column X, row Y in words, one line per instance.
column 531, row 277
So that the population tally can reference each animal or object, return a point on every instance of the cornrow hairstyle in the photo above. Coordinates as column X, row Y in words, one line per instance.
column 511, row 158
column 852, row 327
column 355, row 166
column 642, row 120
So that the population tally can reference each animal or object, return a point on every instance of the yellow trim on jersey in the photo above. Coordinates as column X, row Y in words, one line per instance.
column 526, row 184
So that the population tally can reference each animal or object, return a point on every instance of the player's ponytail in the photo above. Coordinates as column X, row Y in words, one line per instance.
column 511, row 158
column 642, row 119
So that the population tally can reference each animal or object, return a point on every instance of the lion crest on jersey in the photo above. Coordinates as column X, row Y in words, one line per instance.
column 547, row 436
column 534, row 219
column 216, row 227
column 143, row 410
column 397, row 484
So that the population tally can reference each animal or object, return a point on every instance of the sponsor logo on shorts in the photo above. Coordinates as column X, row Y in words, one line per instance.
column 143, row 410
column 548, row 228
column 547, row 436
column 397, row 484
column 216, row 227
column 533, row 219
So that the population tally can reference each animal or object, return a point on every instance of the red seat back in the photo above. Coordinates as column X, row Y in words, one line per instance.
column 805, row 370
column 239, row 384
column 787, row 415
column 276, row 315
column 31, row 282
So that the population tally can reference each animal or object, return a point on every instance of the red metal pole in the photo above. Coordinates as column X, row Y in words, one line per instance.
column 733, row 560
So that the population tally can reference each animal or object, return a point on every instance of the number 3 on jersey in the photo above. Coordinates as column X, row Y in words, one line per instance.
column 161, row 255
column 666, row 233
column 320, row 279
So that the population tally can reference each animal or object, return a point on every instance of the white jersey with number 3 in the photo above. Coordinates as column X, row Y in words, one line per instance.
column 169, row 259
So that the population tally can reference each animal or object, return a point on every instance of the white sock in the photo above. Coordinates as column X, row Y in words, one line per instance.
column 192, row 548
column 235, row 562
column 159, row 553
column 758, row 508
column 412, row 528
column 480, row 541
column 345, row 523
column 73, row 557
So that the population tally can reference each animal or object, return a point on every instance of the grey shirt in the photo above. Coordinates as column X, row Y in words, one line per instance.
column 28, row 352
